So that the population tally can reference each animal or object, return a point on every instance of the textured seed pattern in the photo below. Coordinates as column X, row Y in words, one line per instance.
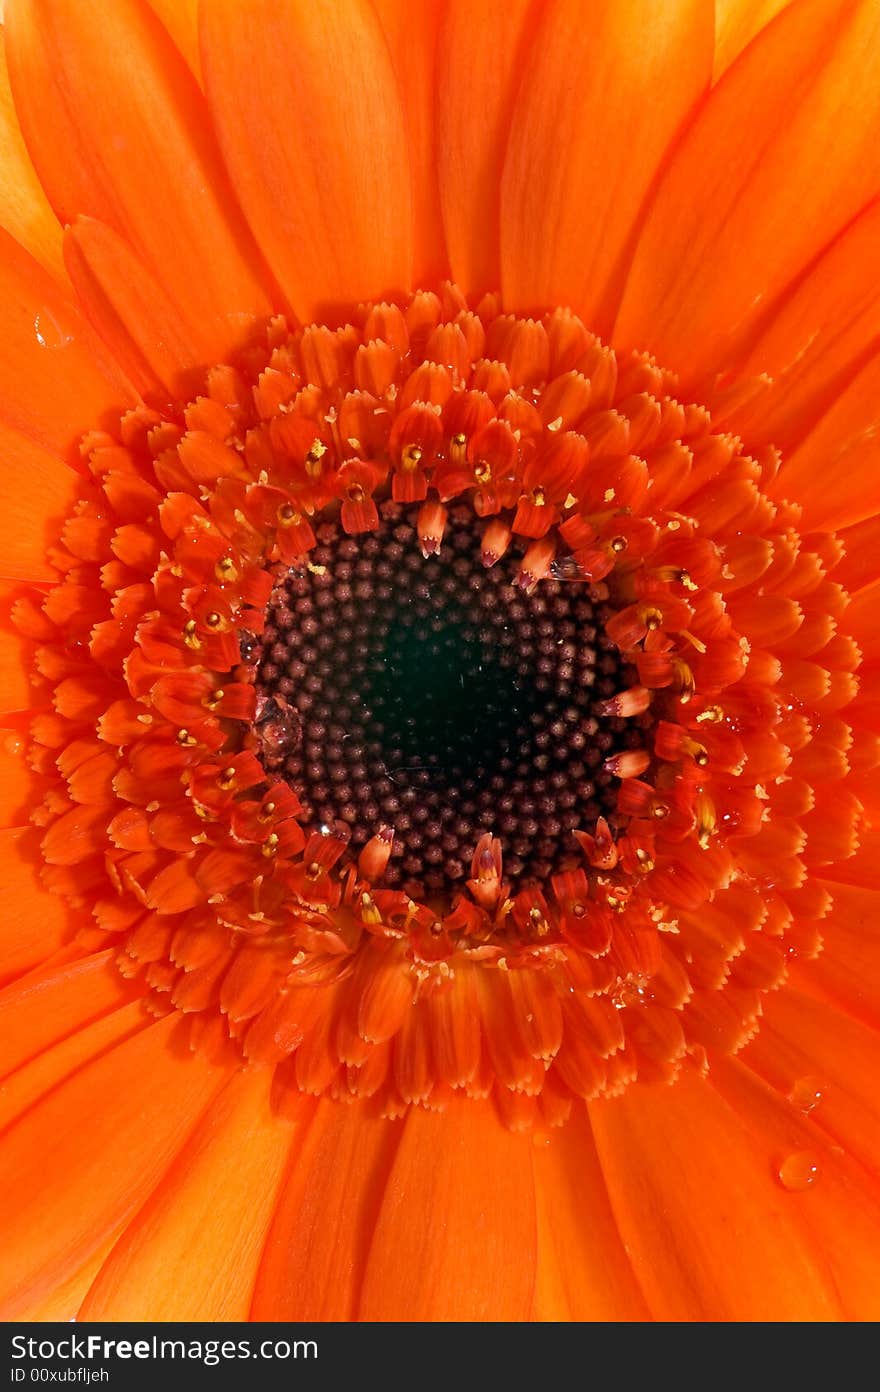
column 435, row 697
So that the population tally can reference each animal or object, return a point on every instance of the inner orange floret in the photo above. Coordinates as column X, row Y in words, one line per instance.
column 178, row 808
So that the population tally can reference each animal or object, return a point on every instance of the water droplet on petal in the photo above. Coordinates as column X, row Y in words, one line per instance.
column 13, row 744
column 806, row 1094
column 798, row 1171
column 48, row 332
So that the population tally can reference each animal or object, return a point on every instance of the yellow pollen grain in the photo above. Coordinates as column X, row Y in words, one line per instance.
column 697, row 642
column 369, row 911
column 539, row 922
column 686, row 683
column 411, row 458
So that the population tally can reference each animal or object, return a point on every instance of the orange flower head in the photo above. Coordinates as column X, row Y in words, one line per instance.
column 341, row 776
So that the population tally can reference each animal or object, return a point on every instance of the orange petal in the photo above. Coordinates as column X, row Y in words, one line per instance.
column 318, row 1243
column 833, row 472
column 862, row 547
column 192, row 1252
column 821, row 333
column 16, row 692
column 40, row 1075
column 51, row 385
column 862, row 869
column 839, row 1210
column 160, row 352
column 37, row 490
column 26, row 213
column 25, row 1088
column 415, row 47
column 761, row 181
column 861, row 619
column 481, row 54
column 56, row 1001
column 455, row 1237
column 80, row 1163
column 848, row 969
column 18, row 784
column 583, row 1270
column 181, row 19
column 736, row 24
column 710, row 1232
column 118, row 130
column 602, row 97
column 40, row 923
column 62, row 1302
column 805, row 1045
column 310, row 120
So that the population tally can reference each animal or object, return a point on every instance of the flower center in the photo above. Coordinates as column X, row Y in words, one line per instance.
column 436, row 697
column 440, row 703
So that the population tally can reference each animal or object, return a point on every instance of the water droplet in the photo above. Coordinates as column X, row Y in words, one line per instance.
column 13, row 744
column 806, row 1094
column 48, row 332
column 249, row 646
column 278, row 729
column 798, row 1171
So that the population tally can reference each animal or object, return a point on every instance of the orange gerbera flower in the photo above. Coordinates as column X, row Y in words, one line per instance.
column 440, row 453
